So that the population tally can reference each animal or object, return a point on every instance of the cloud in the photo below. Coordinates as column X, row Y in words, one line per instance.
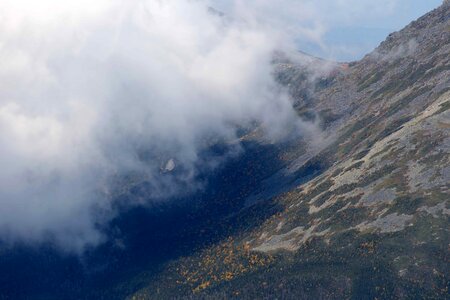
column 94, row 91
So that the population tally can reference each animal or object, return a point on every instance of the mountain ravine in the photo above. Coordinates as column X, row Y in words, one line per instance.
column 361, row 212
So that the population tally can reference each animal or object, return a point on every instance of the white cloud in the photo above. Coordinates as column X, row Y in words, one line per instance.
column 87, row 87
column 90, row 90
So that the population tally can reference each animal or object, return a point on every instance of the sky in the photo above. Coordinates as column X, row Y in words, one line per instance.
column 93, row 92
column 348, row 29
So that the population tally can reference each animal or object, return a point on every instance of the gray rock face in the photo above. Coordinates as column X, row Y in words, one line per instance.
column 389, row 223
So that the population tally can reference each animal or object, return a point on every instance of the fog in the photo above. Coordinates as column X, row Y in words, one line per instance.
column 96, row 96
column 92, row 91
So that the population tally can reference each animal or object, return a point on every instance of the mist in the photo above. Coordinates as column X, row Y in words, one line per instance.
column 94, row 92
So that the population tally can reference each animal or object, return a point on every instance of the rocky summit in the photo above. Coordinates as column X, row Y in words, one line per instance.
column 356, row 210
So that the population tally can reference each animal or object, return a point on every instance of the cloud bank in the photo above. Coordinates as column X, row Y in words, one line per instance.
column 91, row 91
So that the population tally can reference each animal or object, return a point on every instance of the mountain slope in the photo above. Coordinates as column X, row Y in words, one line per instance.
column 372, row 220
column 360, row 210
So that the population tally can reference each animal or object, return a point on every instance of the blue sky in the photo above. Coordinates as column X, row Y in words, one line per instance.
column 361, row 37
column 343, row 30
